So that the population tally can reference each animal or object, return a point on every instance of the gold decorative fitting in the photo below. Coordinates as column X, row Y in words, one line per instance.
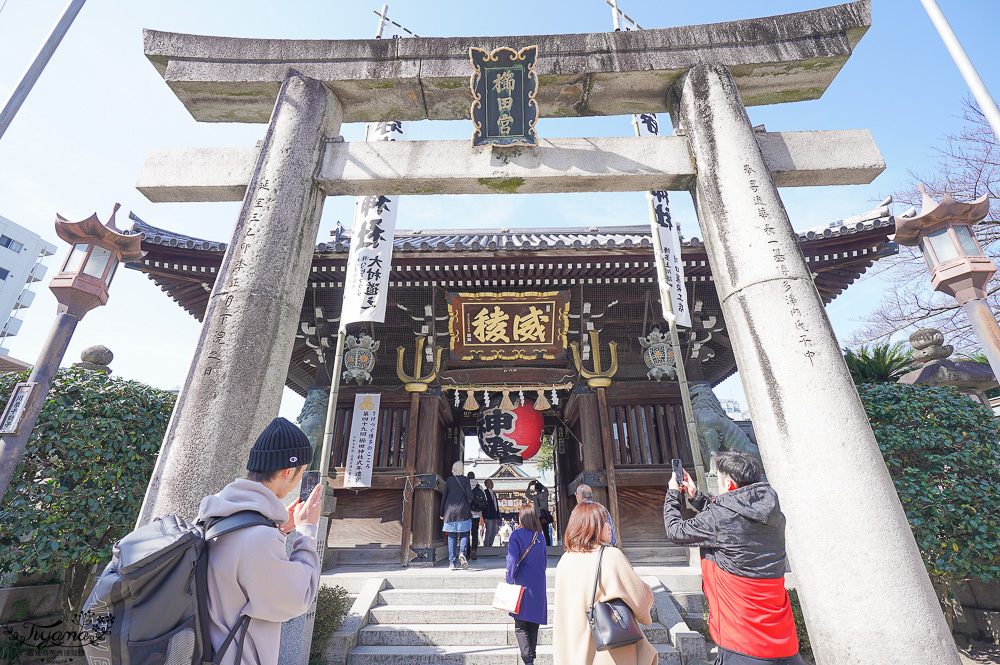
column 598, row 378
column 417, row 383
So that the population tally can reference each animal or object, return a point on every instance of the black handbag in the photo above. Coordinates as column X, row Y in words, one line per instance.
column 612, row 622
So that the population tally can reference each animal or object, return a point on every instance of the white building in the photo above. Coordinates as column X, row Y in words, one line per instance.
column 734, row 410
column 21, row 256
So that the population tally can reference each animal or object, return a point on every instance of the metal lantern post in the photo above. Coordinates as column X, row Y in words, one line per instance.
column 80, row 286
column 958, row 267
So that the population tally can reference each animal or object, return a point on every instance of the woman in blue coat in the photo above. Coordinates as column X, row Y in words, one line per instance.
column 526, row 561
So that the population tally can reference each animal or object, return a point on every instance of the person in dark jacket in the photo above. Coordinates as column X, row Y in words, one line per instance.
column 491, row 514
column 538, row 494
column 477, row 505
column 526, row 561
column 457, row 516
column 741, row 533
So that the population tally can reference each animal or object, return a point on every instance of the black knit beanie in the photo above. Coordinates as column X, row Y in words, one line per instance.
column 281, row 445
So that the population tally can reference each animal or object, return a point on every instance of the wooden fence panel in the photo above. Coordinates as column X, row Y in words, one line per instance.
column 390, row 437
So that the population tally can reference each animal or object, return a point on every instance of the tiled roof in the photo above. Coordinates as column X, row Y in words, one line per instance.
column 517, row 239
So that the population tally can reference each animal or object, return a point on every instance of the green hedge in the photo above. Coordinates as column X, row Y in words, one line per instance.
column 83, row 475
column 942, row 453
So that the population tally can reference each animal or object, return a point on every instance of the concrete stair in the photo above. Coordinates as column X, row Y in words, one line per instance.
column 445, row 617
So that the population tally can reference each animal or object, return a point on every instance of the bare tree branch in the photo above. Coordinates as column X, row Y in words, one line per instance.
column 968, row 167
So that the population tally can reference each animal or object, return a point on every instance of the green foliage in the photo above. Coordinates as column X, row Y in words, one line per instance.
column 544, row 458
column 880, row 363
column 82, row 477
column 11, row 651
column 805, row 647
column 942, row 452
column 332, row 606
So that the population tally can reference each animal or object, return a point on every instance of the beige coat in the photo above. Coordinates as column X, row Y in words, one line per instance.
column 572, row 641
column 250, row 573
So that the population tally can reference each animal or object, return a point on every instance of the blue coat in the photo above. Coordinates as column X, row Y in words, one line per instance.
column 530, row 574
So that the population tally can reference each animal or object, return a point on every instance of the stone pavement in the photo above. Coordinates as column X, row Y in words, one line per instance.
column 417, row 616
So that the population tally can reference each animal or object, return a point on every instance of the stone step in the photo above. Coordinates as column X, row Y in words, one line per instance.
column 423, row 614
column 445, row 579
column 468, row 655
column 463, row 634
column 554, row 550
column 445, row 596
column 356, row 556
column 657, row 554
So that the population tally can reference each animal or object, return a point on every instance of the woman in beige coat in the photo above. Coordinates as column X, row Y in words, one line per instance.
column 573, row 644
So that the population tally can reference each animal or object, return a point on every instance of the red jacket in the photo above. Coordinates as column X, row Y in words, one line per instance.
column 742, row 538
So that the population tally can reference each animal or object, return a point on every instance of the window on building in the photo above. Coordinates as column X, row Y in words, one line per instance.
column 10, row 244
column 3, row 273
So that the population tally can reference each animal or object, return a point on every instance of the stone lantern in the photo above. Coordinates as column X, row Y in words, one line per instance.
column 80, row 286
column 958, row 267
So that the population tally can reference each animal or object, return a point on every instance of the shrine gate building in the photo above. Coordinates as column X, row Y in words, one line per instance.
column 600, row 279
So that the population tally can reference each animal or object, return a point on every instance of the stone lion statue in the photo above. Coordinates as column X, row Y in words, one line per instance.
column 716, row 432
column 312, row 418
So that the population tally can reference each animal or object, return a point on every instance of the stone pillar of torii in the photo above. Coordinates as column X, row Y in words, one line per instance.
column 866, row 594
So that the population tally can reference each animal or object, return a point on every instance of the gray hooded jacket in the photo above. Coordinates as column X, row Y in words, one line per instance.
column 250, row 573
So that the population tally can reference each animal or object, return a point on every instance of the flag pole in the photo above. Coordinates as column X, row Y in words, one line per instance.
column 338, row 358
column 668, row 314
column 42, row 58
column 986, row 103
column 675, row 345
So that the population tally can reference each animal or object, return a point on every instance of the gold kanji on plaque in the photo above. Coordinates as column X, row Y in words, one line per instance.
column 508, row 326
column 530, row 328
column 491, row 327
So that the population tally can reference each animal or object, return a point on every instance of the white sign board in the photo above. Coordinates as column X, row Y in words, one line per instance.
column 361, row 452
column 670, row 237
column 10, row 422
column 366, row 283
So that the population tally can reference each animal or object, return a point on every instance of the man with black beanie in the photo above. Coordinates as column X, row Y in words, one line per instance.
column 249, row 572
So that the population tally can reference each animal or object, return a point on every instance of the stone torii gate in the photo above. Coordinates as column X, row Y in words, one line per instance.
column 866, row 594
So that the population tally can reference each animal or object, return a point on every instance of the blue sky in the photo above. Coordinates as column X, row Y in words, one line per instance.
column 80, row 139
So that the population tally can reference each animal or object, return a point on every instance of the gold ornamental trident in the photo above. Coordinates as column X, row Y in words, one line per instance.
column 598, row 378
column 416, row 383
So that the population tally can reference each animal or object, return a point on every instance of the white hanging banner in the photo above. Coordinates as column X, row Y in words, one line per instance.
column 670, row 238
column 361, row 452
column 366, row 283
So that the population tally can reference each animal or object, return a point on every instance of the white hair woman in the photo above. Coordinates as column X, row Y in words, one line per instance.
column 456, row 513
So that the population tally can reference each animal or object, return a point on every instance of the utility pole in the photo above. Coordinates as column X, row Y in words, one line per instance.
column 34, row 70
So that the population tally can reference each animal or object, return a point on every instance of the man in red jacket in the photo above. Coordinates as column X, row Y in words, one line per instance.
column 741, row 533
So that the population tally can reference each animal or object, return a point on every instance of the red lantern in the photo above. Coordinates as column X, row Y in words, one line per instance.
column 511, row 437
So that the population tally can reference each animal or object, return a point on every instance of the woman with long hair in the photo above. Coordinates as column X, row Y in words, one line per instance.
column 526, row 560
column 457, row 516
column 587, row 532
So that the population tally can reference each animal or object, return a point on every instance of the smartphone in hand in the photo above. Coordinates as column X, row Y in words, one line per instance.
column 310, row 479
column 678, row 471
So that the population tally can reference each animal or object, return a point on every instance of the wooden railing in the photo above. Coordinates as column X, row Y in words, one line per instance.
column 390, row 437
column 648, row 434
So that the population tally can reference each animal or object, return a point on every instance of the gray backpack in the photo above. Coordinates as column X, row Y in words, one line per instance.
column 150, row 605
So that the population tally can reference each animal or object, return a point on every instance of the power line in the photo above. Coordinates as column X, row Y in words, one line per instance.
column 388, row 20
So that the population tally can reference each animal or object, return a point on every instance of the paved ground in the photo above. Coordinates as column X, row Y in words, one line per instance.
column 979, row 653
